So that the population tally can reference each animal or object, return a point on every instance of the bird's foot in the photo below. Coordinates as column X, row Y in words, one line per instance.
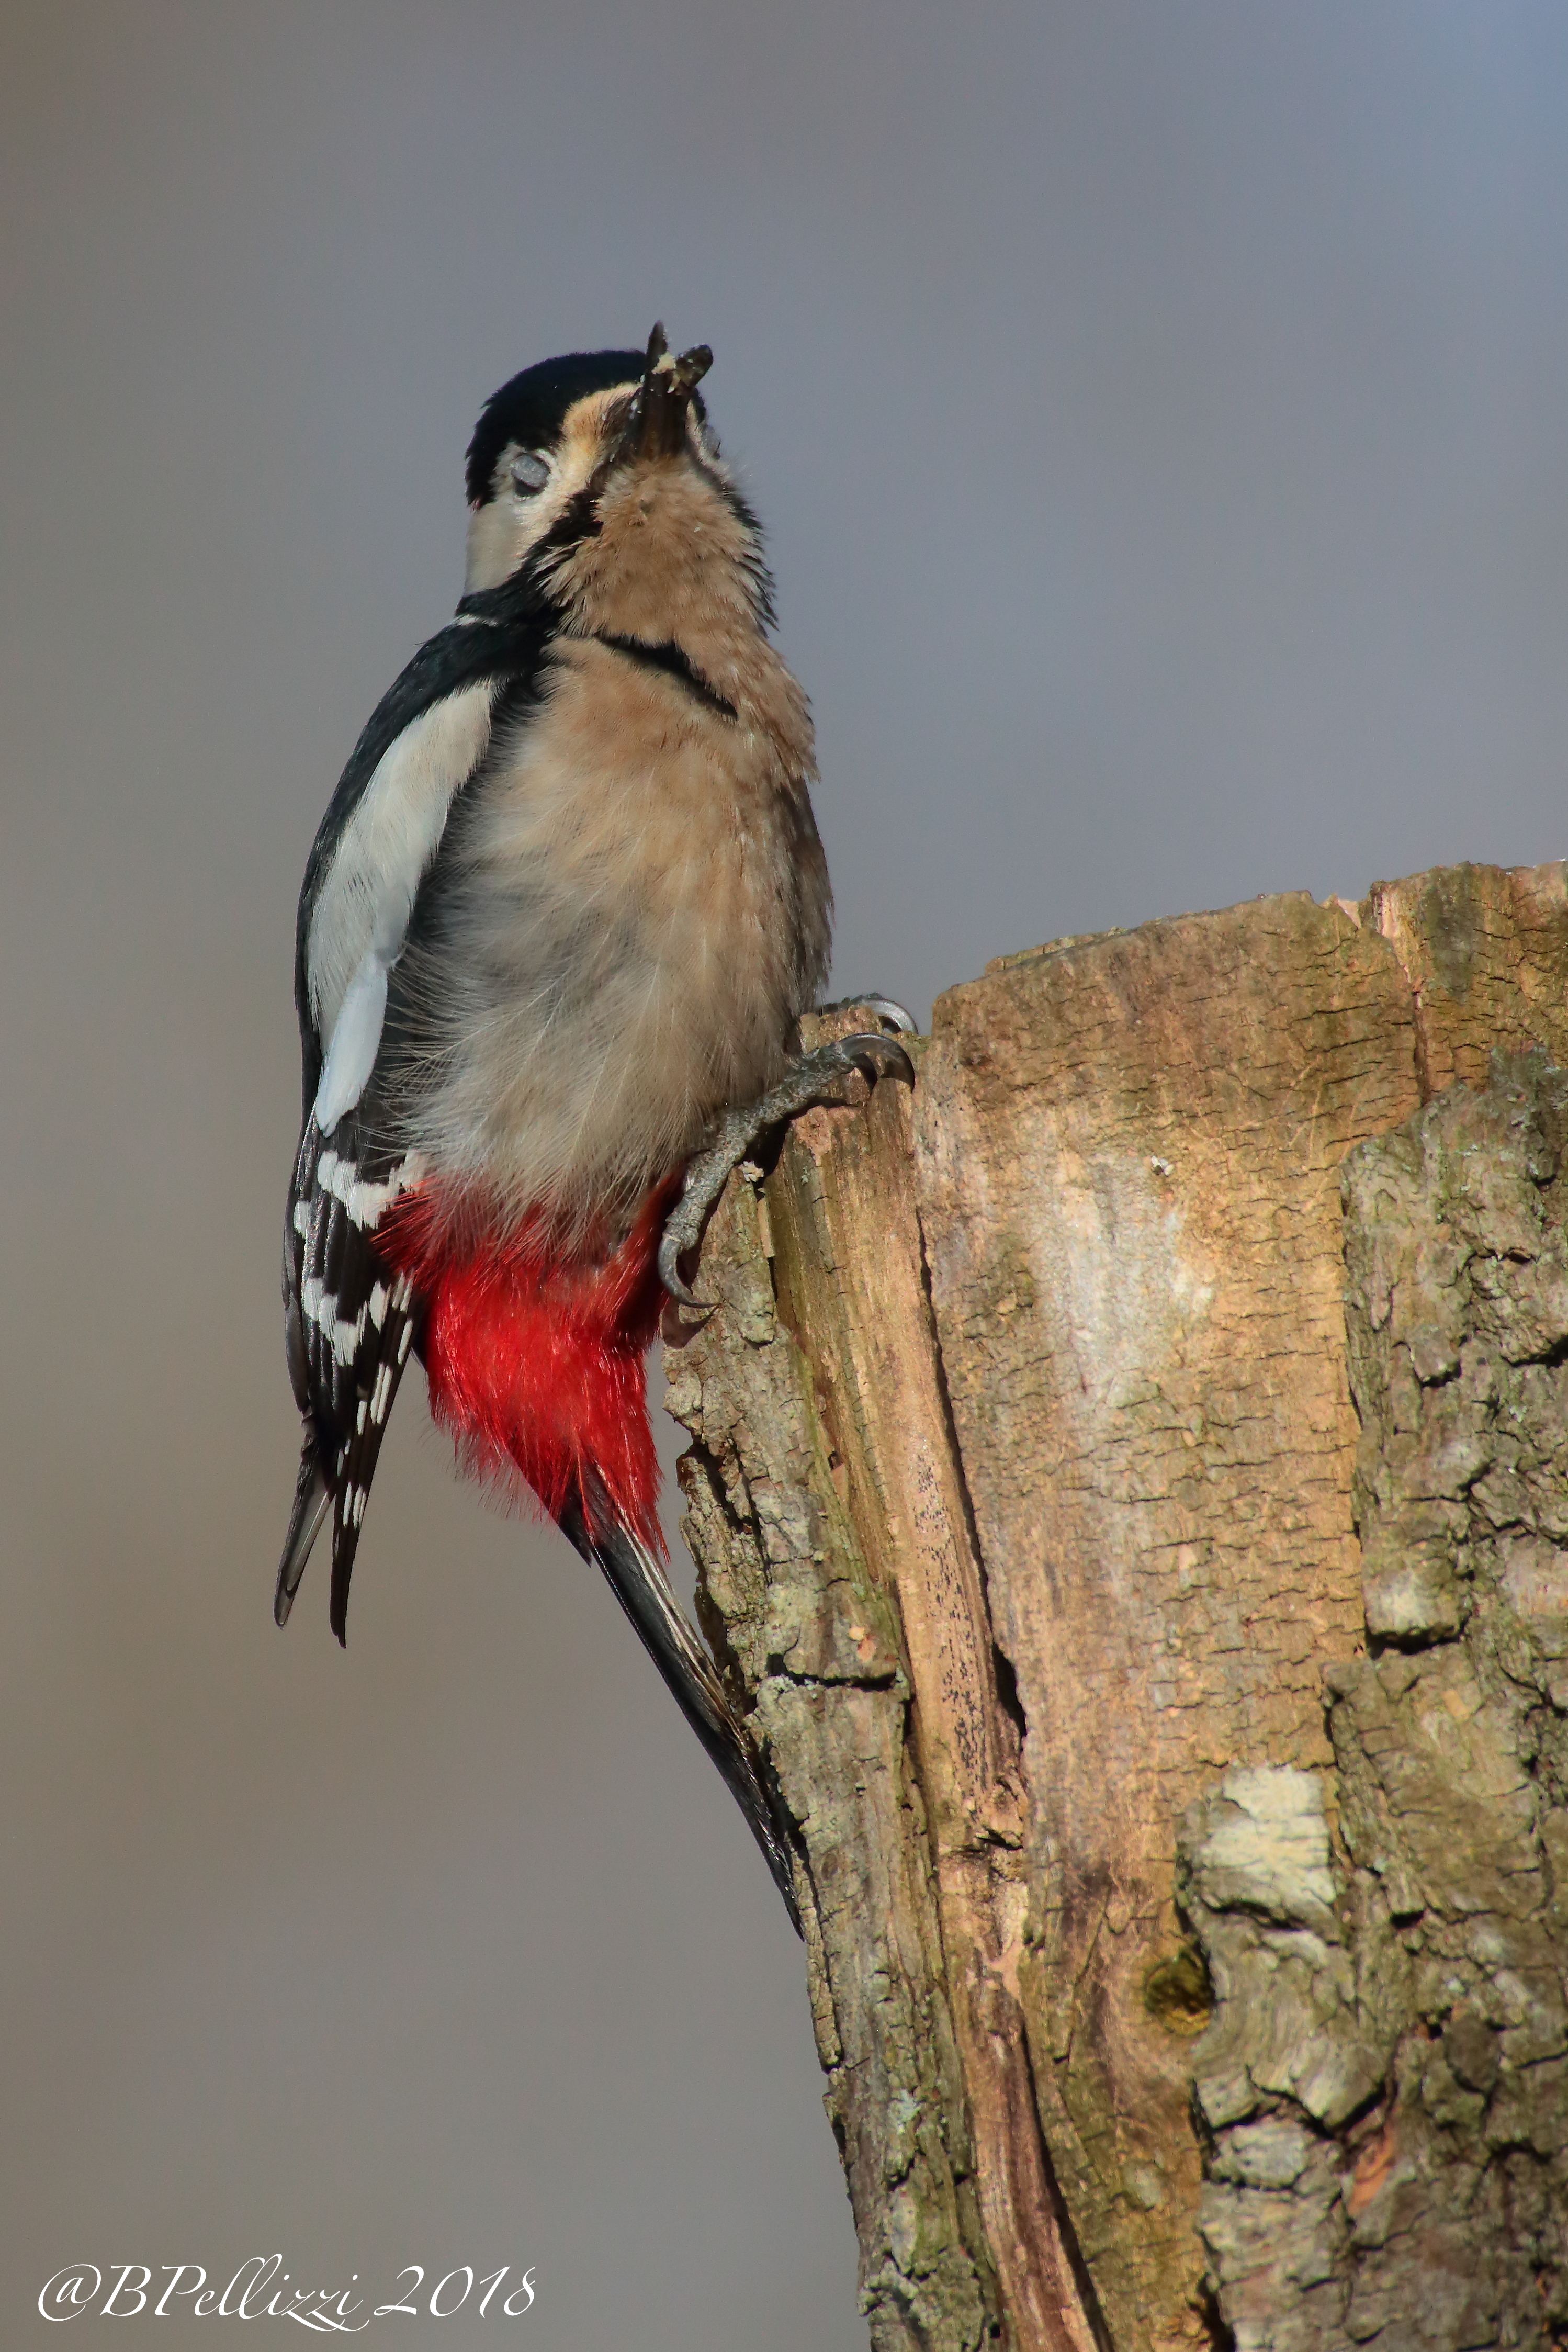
column 814, row 1079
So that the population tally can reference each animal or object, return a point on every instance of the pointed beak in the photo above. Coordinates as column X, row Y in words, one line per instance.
column 657, row 425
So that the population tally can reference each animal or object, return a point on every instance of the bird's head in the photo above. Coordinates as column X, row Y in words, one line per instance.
column 599, row 464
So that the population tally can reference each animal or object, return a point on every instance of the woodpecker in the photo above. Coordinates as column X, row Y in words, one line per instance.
column 558, row 927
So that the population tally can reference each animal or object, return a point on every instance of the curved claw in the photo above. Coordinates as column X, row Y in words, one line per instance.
column 875, row 1056
column 670, row 1248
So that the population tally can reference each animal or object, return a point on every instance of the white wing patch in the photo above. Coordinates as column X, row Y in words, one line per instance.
column 356, row 1039
column 361, row 917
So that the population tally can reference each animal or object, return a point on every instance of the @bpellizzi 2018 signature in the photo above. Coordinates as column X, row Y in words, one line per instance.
column 261, row 2289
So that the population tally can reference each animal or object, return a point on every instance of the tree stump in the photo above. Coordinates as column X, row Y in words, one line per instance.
column 1129, row 1490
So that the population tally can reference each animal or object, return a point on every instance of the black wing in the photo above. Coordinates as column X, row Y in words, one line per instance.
column 349, row 1320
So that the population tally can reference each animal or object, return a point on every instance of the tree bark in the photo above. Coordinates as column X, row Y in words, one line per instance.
column 1128, row 1485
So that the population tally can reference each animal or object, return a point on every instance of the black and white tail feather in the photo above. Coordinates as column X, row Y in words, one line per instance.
column 638, row 1581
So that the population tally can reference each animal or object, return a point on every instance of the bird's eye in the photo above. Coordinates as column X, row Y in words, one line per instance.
column 530, row 472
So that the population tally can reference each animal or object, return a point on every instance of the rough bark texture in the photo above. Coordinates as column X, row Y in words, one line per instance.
column 1387, row 2087
column 1025, row 1485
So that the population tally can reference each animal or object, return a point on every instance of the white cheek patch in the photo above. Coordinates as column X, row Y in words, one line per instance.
column 502, row 532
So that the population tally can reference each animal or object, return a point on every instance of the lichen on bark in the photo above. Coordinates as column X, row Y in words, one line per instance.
column 1385, row 2086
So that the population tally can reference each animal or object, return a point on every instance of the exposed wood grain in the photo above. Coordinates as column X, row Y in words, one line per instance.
column 847, row 1202
column 1128, row 1157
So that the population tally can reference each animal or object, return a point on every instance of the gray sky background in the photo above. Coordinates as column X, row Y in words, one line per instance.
column 1159, row 415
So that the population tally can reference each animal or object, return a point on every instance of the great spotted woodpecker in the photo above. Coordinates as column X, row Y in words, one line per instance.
column 559, row 924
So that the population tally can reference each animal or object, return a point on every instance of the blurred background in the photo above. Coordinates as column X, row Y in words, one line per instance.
column 1159, row 415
